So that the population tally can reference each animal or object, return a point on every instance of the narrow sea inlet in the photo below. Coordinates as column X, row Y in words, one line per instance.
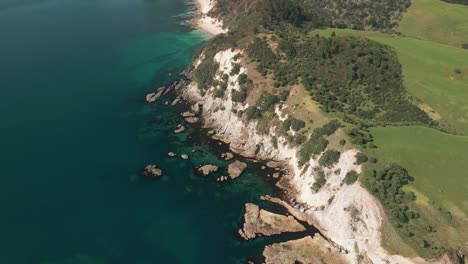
column 75, row 133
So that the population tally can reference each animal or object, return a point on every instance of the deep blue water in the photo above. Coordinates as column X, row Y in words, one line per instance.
column 75, row 132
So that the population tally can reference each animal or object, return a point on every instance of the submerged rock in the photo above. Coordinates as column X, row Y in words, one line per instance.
column 236, row 168
column 151, row 171
column 207, row 169
column 261, row 222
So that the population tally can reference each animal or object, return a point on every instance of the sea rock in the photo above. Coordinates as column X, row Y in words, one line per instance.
column 236, row 168
column 261, row 222
column 207, row 169
column 276, row 175
column 187, row 114
column 151, row 97
column 171, row 154
column 227, row 156
column 184, row 156
column 151, row 171
column 222, row 178
column 191, row 120
column 179, row 129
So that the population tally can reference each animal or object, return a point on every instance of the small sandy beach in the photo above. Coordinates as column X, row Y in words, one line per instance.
column 206, row 23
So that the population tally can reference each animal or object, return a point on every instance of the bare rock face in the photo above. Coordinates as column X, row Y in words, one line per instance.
column 151, row 171
column 305, row 250
column 207, row 169
column 179, row 129
column 236, row 168
column 261, row 222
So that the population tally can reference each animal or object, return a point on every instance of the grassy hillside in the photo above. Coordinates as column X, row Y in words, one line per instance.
column 439, row 161
column 435, row 73
column 437, row 21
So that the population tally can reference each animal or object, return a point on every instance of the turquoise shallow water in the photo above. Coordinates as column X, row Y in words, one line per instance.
column 75, row 132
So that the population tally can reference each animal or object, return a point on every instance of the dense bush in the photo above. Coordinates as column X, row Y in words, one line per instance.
column 329, row 158
column 205, row 72
column 358, row 77
column 387, row 186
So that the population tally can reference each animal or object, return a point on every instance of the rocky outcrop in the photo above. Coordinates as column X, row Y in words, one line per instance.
column 191, row 120
column 179, row 129
column 236, row 168
column 153, row 97
column 227, row 156
column 151, row 171
column 207, row 169
column 309, row 249
column 187, row 114
column 260, row 222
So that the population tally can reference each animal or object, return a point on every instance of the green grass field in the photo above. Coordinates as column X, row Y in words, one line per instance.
column 437, row 160
column 435, row 73
column 437, row 21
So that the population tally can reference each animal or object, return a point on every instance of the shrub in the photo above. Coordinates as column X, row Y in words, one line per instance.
column 319, row 180
column 351, row 177
column 239, row 96
column 329, row 158
column 342, row 142
column 361, row 158
column 235, row 69
column 293, row 123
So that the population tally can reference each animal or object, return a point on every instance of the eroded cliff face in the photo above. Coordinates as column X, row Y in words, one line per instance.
column 348, row 215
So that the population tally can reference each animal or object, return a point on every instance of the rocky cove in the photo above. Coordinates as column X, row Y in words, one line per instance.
column 347, row 216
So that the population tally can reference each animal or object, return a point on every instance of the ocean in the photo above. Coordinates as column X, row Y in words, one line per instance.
column 76, row 132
